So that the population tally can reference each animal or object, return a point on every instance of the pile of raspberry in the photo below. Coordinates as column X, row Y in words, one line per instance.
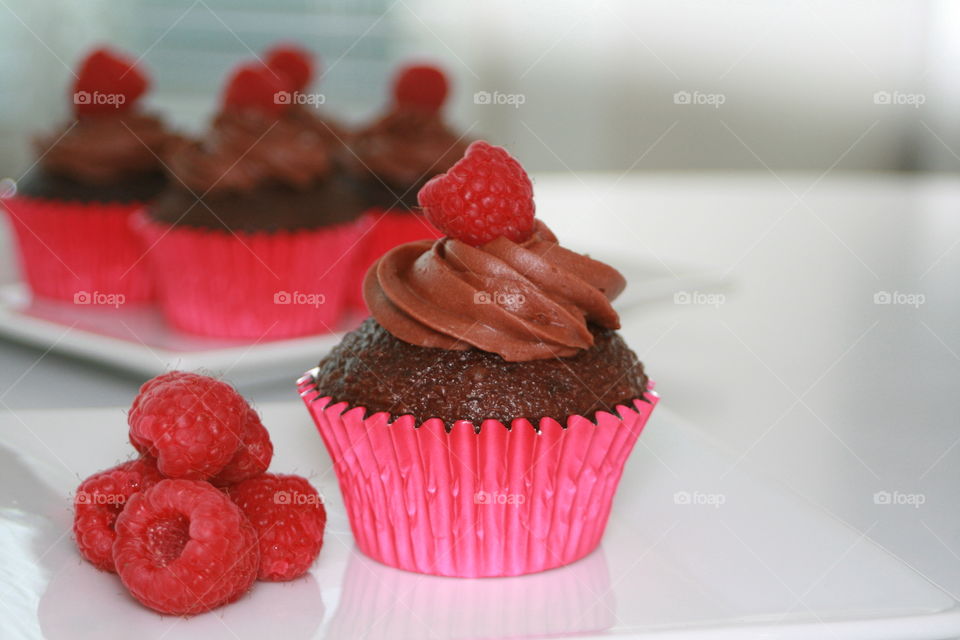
column 196, row 519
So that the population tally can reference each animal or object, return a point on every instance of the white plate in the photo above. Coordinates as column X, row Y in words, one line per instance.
column 138, row 340
column 686, row 555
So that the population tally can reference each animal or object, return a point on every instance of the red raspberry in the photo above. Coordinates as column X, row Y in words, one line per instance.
column 289, row 517
column 293, row 63
column 259, row 88
column 190, row 423
column 106, row 73
column 252, row 457
column 487, row 194
column 420, row 86
column 183, row 548
column 100, row 499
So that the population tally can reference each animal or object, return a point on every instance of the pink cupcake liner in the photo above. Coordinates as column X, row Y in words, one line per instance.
column 493, row 501
column 384, row 230
column 255, row 286
column 78, row 251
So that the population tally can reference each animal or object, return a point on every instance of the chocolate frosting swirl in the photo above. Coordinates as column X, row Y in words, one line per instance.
column 245, row 150
column 406, row 147
column 523, row 301
column 106, row 149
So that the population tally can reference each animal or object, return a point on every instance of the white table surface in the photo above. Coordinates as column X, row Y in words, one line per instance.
column 739, row 559
column 798, row 371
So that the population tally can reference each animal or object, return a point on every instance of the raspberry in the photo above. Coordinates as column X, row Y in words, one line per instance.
column 190, row 423
column 293, row 63
column 485, row 195
column 257, row 87
column 253, row 455
column 104, row 73
column 100, row 499
column 289, row 517
column 183, row 548
column 421, row 87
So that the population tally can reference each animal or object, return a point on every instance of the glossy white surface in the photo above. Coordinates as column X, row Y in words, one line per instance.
column 691, row 551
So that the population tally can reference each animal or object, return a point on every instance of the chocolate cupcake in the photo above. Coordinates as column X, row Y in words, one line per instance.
column 71, row 211
column 395, row 155
column 253, row 238
column 480, row 420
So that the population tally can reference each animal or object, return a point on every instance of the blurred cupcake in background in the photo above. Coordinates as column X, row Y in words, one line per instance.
column 395, row 155
column 71, row 212
column 298, row 67
column 253, row 238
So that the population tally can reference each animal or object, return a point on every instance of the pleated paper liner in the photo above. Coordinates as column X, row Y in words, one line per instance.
column 79, row 251
column 384, row 231
column 474, row 503
column 576, row 599
column 255, row 286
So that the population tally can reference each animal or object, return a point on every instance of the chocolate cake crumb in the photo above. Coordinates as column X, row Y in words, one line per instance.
column 373, row 369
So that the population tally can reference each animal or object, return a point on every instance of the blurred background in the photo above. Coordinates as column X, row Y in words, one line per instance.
column 586, row 85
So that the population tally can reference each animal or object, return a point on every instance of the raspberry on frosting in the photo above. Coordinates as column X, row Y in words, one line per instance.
column 420, row 86
column 192, row 424
column 484, row 196
column 294, row 63
column 107, row 82
column 184, row 548
column 259, row 88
